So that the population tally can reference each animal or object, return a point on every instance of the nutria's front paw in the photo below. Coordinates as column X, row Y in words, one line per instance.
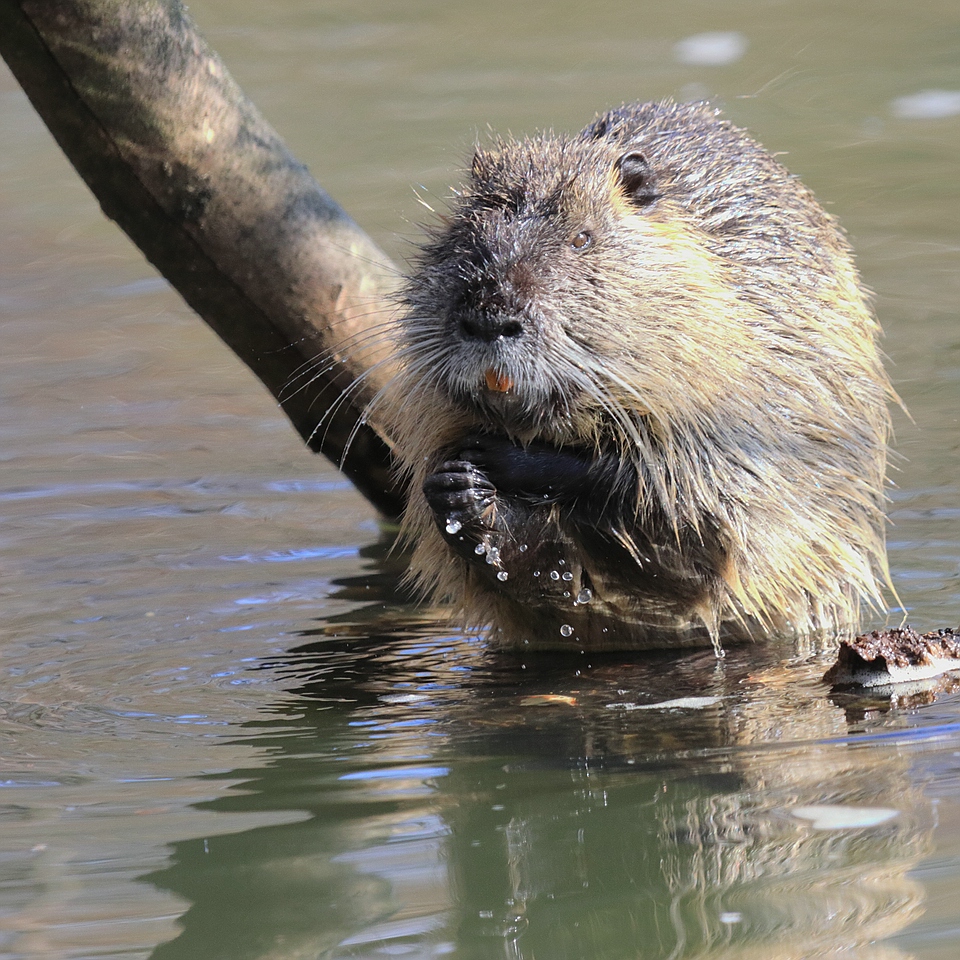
column 536, row 471
column 463, row 501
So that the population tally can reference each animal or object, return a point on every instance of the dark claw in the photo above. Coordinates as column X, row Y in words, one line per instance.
column 458, row 491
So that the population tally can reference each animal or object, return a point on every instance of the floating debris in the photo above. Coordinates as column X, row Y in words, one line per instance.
column 680, row 703
column 548, row 700
column 886, row 657
column 833, row 816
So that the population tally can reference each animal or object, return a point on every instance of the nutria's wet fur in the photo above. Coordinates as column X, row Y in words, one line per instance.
column 641, row 401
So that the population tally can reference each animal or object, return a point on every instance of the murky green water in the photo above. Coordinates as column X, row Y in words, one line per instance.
column 222, row 732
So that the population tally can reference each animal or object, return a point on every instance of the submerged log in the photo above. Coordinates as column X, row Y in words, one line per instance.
column 186, row 166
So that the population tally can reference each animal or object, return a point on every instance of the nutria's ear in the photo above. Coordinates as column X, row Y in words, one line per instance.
column 637, row 178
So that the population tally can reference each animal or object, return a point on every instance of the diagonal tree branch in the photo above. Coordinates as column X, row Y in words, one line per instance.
column 187, row 167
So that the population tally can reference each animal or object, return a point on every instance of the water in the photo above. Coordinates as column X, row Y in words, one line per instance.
column 225, row 733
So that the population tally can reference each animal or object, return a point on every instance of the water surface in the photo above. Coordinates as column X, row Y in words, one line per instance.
column 225, row 733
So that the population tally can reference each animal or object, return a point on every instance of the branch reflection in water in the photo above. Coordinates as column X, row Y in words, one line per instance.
column 470, row 803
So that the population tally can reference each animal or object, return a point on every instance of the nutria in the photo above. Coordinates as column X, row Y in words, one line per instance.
column 641, row 401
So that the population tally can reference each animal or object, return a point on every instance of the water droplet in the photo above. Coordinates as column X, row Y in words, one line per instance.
column 502, row 575
column 480, row 548
column 567, row 575
column 522, row 548
column 566, row 593
column 554, row 575
column 453, row 526
column 493, row 555
column 562, row 562
column 566, row 630
column 536, row 573
column 585, row 595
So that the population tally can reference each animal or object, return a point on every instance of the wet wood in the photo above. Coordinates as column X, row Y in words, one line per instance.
column 902, row 655
column 186, row 166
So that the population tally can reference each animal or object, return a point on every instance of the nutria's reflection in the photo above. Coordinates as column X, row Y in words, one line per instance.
column 452, row 801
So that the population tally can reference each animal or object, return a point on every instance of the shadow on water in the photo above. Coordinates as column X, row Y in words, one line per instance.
column 457, row 801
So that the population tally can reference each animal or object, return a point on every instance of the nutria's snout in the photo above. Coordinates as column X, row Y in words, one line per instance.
column 499, row 300
column 641, row 400
column 498, row 346
column 489, row 325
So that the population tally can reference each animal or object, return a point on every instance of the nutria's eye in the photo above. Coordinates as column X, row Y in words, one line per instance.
column 636, row 178
column 582, row 240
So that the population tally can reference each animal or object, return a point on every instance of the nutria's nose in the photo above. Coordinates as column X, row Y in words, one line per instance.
column 489, row 325
column 495, row 308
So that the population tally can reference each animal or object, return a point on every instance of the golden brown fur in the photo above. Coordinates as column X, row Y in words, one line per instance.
column 710, row 335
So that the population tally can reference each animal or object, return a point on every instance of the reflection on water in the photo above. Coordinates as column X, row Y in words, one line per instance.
column 470, row 803
column 224, row 730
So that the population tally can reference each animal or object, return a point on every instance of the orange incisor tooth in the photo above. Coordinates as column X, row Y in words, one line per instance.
column 498, row 382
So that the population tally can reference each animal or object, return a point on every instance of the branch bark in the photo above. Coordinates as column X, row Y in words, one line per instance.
column 187, row 167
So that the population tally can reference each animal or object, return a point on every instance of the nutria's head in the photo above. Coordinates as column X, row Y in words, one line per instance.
column 659, row 265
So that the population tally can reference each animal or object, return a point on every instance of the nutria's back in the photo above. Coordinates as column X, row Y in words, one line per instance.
column 640, row 359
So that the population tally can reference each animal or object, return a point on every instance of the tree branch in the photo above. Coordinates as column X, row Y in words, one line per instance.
column 187, row 167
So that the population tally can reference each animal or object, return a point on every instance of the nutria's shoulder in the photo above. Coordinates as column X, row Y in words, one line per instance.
column 643, row 354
